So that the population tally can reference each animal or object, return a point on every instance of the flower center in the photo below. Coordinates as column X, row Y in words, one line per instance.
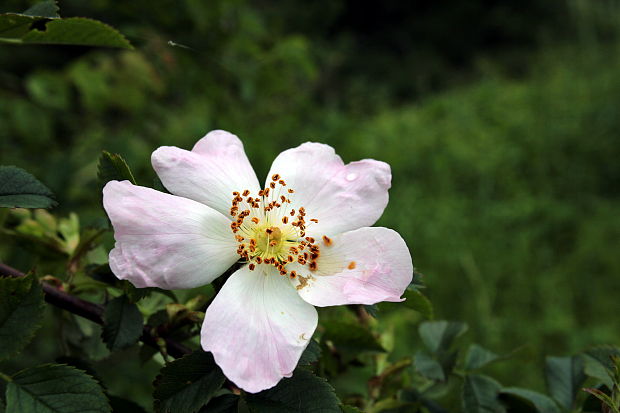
column 270, row 232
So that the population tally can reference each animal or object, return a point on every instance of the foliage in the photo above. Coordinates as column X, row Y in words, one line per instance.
column 505, row 188
column 21, row 313
column 20, row 189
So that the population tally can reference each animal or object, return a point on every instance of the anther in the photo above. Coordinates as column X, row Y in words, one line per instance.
column 312, row 266
column 290, row 191
column 252, row 266
column 275, row 177
column 351, row 265
column 285, row 220
column 255, row 220
column 272, row 185
column 246, row 192
column 327, row 240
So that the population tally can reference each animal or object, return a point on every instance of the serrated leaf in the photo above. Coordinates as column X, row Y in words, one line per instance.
column 480, row 395
column 188, row 383
column 48, row 8
column 428, row 367
column 311, row 354
column 417, row 301
column 440, row 335
column 19, row 189
column 302, row 393
column 55, row 388
column 350, row 337
column 122, row 323
column 226, row 403
column 477, row 357
column 564, row 377
column 21, row 313
column 77, row 31
column 112, row 167
column 541, row 402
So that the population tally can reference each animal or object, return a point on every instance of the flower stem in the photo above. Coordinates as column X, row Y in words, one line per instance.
column 5, row 377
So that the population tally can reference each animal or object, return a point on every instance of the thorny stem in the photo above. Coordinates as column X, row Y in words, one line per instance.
column 93, row 312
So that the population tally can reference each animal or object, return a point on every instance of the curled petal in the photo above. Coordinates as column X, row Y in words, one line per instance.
column 342, row 197
column 215, row 168
column 364, row 266
column 257, row 327
column 166, row 241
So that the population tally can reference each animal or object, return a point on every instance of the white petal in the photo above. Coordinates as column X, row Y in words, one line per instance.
column 364, row 266
column 215, row 168
column 166, row 241
column 257, row 327
column 342, row 197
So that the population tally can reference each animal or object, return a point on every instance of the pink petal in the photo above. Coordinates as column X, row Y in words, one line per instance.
column 257, row 327
column 215, row 168
column 364, row 266
column 166, row 241
column 342, row 197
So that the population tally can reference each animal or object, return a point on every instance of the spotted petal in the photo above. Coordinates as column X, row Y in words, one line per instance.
column 215, row 168
column 342, row 197
column 364, row 266
column 257, row 327
column 166, row 241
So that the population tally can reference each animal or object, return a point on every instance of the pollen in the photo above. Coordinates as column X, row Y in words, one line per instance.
column 327, row 241
column 352, row 265
column 269, row 232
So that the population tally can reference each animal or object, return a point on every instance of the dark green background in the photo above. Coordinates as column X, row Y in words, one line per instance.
column 500, row 121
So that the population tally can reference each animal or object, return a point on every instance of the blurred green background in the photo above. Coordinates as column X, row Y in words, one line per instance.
column 500, row 121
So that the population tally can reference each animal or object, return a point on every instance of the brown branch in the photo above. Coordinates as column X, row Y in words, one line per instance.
column 93, row 312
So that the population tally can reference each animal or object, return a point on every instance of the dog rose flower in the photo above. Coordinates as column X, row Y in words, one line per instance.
column 303, row 238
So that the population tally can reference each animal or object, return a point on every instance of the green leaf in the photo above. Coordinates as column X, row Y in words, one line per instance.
column 122, row 323
column 19, row 189
column 78, row 31
column 112, row 167
column 302, row 393
column 55, row 388
column 477, row 357
column 480, row 395
column 351, row 338
column 372, row 310
column 598, row 364
column 440, row 335
column 21, row 313
column 428, row 367
column 564, row 376
column 227, row 403
column 48, row 8
column 541, row 402
column 417, row 301
column 311, row 354
column 188, row 383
